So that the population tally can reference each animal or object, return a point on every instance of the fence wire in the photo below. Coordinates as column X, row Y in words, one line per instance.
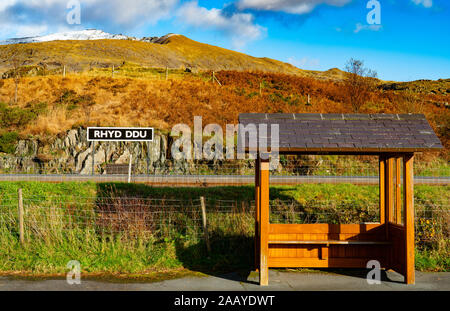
column 291, row 169
column 54, row 218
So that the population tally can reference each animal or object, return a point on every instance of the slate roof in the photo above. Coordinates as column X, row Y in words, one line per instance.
column 348, row 132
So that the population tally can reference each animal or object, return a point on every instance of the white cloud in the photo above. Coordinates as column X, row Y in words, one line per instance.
column 304, row 62
column 30, row 31
column 288, row 6
column 104, row 14
column 425, row 3
column 359, row 27
column 240, row 26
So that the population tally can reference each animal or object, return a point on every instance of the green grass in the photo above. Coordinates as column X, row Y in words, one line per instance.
column 50, row 245
column 300, row 192
column 433, row 260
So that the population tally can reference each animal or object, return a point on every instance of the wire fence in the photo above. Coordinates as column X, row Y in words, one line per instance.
column 53, row 219
column 290, row 170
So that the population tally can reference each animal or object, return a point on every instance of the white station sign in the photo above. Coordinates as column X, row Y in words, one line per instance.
column 120, row 133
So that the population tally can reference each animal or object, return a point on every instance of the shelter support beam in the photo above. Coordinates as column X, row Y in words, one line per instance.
column 264, row 221
column 398, row 195
column 257, row 211
column 408, row 196
column 389, row 192
column 382, row 179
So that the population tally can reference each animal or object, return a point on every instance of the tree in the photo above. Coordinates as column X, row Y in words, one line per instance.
column 359, row 82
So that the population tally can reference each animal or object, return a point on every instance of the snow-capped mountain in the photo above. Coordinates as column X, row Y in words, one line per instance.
column 89, row 34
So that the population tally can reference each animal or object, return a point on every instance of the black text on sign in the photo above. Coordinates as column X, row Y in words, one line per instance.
column 120, row 134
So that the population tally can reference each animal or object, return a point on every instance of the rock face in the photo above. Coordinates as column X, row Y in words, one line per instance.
column 72, row 154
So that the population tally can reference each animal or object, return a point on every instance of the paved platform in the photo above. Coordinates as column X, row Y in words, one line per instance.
column 278, row 280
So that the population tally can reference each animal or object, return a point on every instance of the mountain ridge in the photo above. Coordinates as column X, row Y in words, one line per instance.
column 87, row 34
column 83, row 50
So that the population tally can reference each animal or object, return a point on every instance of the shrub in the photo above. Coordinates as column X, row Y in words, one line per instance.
column 72, row 100
column 8, row 141
column 19, row 117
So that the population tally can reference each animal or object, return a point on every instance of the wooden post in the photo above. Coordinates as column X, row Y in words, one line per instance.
column 389, row 188
column 167, row 72
column 324, row 252
column 264, row 216
column 64, row 71
column 408, row 196
column 398, row 195
column 21, row 212
column 112, row 72
column 93, row 157
column 260, row 88
column 148, row 157
column 257, row 211
column 205, row 224
column 381, row 185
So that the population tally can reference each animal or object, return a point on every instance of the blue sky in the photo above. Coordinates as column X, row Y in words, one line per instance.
column 410, row 43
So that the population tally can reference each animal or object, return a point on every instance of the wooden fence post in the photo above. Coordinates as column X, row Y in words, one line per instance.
column 21, row 227
column 205, row 224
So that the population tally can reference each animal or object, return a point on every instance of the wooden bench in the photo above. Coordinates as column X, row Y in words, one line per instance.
column 324, row 245
column 330, row 242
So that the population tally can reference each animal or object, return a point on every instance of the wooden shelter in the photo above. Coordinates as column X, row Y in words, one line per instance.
column 393, row 138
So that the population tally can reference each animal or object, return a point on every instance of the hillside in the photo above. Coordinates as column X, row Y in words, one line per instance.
column 45, row 103
column 175, row 51
column 53, row 104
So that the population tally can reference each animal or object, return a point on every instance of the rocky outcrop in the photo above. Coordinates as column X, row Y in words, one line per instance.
column 72, row 154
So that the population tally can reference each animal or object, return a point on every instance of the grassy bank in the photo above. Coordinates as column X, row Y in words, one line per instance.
column 96, row 225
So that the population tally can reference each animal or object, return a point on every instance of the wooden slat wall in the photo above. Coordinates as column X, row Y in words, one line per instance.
column 325, row 229
column 397, row 250
column 298, row 255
